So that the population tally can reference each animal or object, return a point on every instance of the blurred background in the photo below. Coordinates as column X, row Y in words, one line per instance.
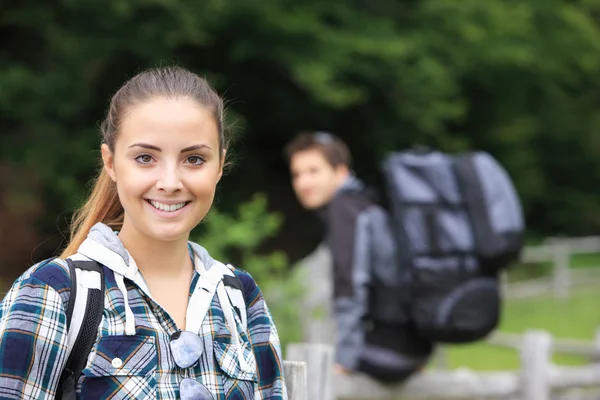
column 517, row 78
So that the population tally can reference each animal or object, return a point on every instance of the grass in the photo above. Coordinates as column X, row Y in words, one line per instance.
column 577, row 317
column 585, row 261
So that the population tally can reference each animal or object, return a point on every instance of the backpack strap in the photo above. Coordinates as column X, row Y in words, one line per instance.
column 235, row 292
column 231, row 297
column 210, row 284
column 201, row 298
column 84, row 313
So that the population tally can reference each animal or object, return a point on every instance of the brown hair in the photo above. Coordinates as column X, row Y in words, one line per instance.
column 334, row 149
column 103, row 204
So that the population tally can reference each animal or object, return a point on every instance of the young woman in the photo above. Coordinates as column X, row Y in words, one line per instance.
column 163, row 152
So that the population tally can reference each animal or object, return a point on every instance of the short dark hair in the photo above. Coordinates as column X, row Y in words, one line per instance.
column 334, row 149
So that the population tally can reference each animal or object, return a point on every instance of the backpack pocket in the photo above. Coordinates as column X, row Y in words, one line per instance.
column 494, row 205
column 453, row 307
column 469, row 312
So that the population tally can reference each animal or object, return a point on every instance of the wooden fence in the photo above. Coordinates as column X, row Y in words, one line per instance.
column 295, row 376
column 559, row 252
column 537, row 379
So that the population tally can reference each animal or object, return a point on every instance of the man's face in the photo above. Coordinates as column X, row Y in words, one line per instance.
column 315, row 181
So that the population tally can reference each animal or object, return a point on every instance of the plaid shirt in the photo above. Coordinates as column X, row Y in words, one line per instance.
column 33, row 337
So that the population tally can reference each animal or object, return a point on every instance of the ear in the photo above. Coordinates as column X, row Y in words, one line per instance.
column 223, row 157
column 108, row 160
column 342, row 172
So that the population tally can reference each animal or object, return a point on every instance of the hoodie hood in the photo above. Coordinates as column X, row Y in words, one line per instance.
column 104, row 246
column 352, row 185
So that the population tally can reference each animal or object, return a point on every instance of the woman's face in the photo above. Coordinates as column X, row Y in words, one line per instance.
column 166, row 164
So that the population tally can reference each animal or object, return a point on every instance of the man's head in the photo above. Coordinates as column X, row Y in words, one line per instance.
column 319, row 163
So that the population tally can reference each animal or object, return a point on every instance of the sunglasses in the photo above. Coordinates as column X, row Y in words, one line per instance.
column 186, row 348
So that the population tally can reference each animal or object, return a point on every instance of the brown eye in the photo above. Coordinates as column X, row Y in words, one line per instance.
column 195, row 160
column 144, row 159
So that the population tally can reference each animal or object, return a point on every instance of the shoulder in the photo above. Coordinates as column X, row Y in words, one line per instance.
column 46, row 283
column 52, row 272
column 249, row 285
column 346, row 208
column 350, row 202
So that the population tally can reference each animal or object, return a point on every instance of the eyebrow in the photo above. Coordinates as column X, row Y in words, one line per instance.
column 152, row 147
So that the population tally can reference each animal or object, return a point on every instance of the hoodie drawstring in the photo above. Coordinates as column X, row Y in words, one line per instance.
column 129, row 316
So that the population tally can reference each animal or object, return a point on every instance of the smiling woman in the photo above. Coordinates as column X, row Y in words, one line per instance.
column 168, row 329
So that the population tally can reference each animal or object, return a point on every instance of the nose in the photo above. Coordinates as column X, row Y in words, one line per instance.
column 169, row 180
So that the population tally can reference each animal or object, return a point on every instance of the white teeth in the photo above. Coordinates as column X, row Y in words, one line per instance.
column 167, row 207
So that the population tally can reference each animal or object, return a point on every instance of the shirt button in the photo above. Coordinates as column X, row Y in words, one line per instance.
column 117, row 362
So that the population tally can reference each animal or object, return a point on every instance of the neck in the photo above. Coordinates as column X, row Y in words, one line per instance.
column 157, row 258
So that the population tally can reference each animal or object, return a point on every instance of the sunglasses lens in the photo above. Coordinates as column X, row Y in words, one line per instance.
column 186, row 348
column 191, row 389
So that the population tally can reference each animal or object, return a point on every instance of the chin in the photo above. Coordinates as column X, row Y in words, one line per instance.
column 168, row 237
column 168, row 233
column 313, row 205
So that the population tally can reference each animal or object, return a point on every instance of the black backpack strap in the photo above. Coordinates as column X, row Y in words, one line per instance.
column 236, row 294
column 233, row 283
column 84, row 314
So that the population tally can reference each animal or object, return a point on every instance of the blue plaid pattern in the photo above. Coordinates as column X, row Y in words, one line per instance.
column 33, row 337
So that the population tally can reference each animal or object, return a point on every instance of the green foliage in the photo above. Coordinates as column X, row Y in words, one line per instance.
column 240, row 236
column 520, row 79
column 243, row 233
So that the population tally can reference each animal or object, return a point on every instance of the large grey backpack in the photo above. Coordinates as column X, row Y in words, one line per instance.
column 457, row 220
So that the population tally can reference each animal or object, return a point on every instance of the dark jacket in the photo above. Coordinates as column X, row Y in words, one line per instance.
column 363, row 251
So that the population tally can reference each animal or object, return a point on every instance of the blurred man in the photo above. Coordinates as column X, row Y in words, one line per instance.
column 361, row 246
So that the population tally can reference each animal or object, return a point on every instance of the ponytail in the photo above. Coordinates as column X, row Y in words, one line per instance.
column 103, row 205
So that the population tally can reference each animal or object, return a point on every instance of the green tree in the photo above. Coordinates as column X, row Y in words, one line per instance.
column 517, row 78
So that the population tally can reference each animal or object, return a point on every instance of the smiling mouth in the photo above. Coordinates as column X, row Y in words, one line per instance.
column 167, row 207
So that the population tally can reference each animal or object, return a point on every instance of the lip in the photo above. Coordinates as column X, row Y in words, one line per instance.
column 168, row 214
column 169, row 202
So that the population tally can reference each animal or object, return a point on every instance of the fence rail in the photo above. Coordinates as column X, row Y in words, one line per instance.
column 538, row 378
column 560, row 287
column 578, row 347
column 558, row 251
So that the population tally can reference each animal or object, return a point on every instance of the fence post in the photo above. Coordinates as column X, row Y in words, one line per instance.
column 596, row 354
column 319, row 366
column 440, row 357
column 561, row 276
column 536, row 350
column 504, row 283
column 294, row 373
